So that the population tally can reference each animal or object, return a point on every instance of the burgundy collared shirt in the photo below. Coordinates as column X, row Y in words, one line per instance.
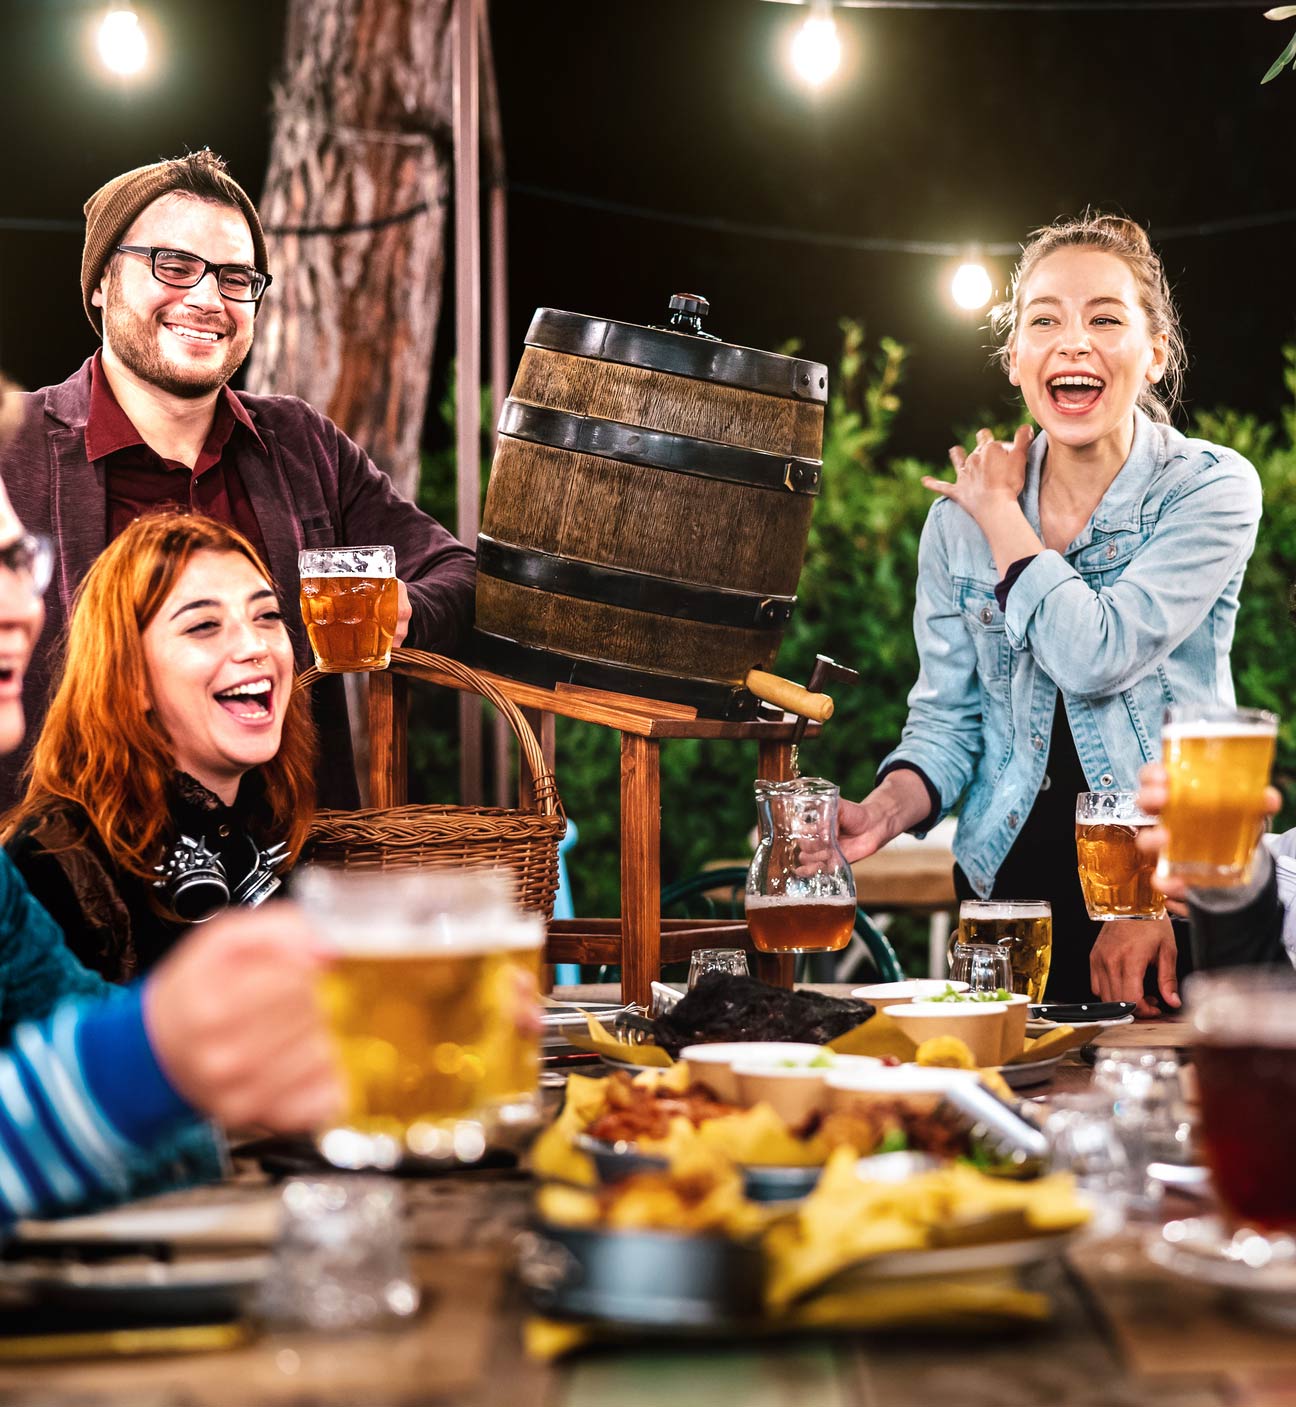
column 138, row 480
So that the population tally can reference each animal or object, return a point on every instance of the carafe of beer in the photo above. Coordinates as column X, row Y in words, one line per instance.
column 800, row 890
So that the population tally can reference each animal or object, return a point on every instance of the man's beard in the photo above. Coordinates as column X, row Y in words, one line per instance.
column 134, row 342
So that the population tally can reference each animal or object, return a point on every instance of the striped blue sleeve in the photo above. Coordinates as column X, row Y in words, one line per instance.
column 81, row 1097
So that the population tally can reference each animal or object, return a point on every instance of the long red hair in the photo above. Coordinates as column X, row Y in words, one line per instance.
column 102, row 746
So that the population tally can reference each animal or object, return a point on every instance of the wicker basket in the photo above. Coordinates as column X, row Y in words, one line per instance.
column 525, row 843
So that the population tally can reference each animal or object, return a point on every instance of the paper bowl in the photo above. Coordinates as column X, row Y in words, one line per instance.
column 854, row 1083
column 713, row 1065
column 913, row 989
column 793, row 1094
column 981, row 1026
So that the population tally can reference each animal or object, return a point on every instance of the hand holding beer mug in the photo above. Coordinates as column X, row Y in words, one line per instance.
column 1115, row 873
column 1217, row 762
column 426, row 1003
column 1024, row 928
column 800, row 890
column 349, row 601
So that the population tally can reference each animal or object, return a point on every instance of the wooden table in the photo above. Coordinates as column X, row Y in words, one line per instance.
column 1113, row 1340
column 637, row 941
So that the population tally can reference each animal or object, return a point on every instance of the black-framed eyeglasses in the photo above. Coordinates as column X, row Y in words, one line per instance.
column 32, row 556
column 181, row 269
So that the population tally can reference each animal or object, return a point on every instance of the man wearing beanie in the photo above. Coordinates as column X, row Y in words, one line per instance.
column 172, row 275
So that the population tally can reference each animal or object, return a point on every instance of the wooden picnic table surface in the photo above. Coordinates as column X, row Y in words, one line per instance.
column 1121, row 1334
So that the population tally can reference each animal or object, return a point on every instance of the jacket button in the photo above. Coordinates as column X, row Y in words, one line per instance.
column 1012, row 819
column 987, row 615
column 1037, row 742
column 223, row 832
column 1111, row 551
column 1106, row 779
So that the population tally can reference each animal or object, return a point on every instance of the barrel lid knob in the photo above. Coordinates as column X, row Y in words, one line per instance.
column 686, row 313
column 690, row 304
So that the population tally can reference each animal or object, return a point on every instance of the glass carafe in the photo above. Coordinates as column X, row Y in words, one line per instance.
column 800, row 890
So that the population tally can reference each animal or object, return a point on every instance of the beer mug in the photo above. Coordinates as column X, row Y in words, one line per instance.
column 1218, row 761
column 1244, row 1053
column 1023, row 927
column 423, row 1000
column 800, row 890
column 1115, row 875
column 349, row 601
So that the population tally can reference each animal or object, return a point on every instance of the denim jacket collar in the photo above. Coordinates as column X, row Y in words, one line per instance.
column 1122, row 504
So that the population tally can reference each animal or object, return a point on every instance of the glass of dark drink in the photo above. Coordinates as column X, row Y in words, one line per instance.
column 800, row 890
column 1244, row 1029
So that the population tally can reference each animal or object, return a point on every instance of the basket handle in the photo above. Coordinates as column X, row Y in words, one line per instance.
column 420, row 664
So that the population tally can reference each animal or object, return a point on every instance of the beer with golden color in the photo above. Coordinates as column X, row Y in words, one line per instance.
column 349, row 601
column 1116, row 877
column 1024, row 928
column 1218, row 765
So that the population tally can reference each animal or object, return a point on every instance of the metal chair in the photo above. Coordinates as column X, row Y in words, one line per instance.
column 719, row 893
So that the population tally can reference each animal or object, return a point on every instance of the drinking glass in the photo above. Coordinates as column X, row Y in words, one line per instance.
column 704, row 960
column 1149, row 1110
column 1023, row 927
column 423, row 998
column 1083, row 1138
column 984, row 967
column 1218, row 761
column 340, row 1259
column 1244, row 1052
column 1115, row 875
column 349, row 601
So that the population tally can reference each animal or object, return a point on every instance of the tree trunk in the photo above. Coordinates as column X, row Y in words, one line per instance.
column 355, row 213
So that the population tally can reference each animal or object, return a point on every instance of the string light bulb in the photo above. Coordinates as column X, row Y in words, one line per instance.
column 971, row 287
column 122, row 43
column 816, row 46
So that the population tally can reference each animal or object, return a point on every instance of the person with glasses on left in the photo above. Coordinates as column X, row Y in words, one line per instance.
column 173, row 272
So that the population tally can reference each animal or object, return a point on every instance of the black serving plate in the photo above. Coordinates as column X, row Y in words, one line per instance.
column 665, row 1279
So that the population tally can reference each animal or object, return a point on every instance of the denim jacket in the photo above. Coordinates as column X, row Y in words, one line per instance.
column 1137, row 613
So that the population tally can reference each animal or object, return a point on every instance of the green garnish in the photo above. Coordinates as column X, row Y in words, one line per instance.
column 1000, row 994
column 822, row 1061
column 893, row 1141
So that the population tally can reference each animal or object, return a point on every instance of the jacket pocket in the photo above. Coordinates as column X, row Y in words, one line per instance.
column 984, row 622
column 317, row 531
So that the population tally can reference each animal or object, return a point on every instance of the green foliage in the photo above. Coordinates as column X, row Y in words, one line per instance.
column 855, row 604
column 1288, row 55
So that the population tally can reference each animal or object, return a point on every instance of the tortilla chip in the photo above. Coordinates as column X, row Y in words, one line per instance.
column 603, row 1042
column 879, row 1036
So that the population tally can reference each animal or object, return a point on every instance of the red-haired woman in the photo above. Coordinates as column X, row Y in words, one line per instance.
column 173, row 775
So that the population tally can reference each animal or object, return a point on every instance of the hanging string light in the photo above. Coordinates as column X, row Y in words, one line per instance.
column 971, row 286
column 122, row 43
column 816, row 46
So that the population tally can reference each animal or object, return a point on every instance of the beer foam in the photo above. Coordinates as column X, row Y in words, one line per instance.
column 1218, row 728
column 785, row 901
column 476, row 935
column 1022, row 908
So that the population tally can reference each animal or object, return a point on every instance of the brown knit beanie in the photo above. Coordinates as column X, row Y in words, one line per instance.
column 112, row 209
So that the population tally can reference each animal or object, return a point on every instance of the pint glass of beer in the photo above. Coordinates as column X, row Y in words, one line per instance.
column 800, row 891
column 423, row 999
column 1218, row 760
column 1023, row 927
column 1115, row 875
column 1244, row 1052
column 349, row 600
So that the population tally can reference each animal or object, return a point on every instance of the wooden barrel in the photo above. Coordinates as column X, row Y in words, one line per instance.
column 647, row 512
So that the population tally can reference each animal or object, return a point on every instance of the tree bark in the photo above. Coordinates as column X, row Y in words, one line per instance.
column 355, row 218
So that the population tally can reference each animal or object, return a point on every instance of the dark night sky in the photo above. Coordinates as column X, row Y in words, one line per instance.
column 950, row 126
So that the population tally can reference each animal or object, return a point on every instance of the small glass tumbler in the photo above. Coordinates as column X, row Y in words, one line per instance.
column 340, row 1260
column 984, row 967
column 1085, row 1140
column 730, row 960
column 1151, row 1113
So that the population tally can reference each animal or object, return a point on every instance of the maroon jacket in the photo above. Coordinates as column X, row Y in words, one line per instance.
column 310, row 487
